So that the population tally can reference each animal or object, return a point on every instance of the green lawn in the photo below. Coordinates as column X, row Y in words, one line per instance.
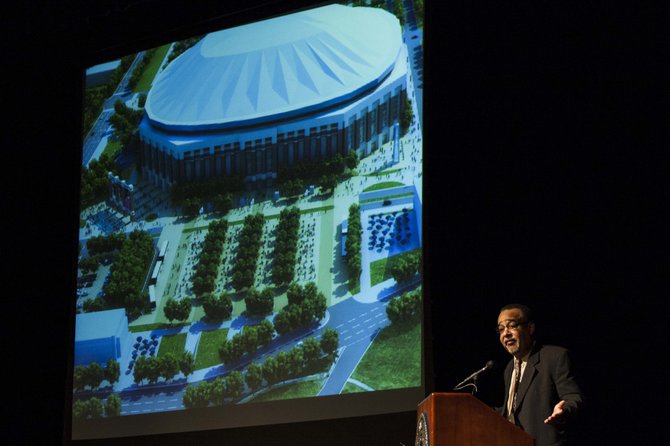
column 172, row 344
column 154, row 326
column 302, row 389
column 113, row 148
column 383, row 185
column 144, row 84
column 208, row 348
column 380, row 270
column 352, row 388
column 393, row 361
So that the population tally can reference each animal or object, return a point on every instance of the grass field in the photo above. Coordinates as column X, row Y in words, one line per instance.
column 394, row 359
column 172, row 344
column 380, row 270
column 383, row 185
column 144, row 84
column 208, row 348
column 352, row 388
column 301, row 389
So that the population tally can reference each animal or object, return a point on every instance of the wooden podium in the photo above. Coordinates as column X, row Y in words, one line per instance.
column 460, row 419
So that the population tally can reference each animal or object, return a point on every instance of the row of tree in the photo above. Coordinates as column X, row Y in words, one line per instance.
column 95, row 97
column 167, row 366
column 98, row 247
column 286, row 246
column 293, row 180
column 94, row 182
column 92, row 375
column 419, row 11
column 103, row 244
column 207, row 268
column 244, row 270
column 299, row 361
column 128, row 273
column 93, row 408
column 126, row 122
column 248, row 341
column 216, row 191
column 352, row 245
column 214, row 392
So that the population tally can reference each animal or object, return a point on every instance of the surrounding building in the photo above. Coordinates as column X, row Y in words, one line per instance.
column 99, row 336
column 100, row 74
column 248, row 100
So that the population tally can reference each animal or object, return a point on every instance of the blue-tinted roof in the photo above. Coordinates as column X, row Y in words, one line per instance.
column 277, row 68
column 100, row 324
column 103, row 68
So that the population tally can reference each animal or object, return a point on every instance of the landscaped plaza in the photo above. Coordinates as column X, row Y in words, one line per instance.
column 385, row 184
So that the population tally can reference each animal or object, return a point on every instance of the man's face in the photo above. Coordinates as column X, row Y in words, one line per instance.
column 516, row 333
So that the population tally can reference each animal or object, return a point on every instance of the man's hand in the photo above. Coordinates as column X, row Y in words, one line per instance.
column 558, row 415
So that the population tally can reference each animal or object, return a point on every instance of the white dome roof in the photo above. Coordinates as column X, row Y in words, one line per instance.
column 276, row 69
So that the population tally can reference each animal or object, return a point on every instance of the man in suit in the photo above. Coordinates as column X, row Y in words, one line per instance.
column 541, row 395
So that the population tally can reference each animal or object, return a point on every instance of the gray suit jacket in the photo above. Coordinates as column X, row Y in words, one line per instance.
column 547, row 379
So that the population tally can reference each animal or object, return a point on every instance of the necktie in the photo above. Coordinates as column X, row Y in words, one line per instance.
column 517, row 379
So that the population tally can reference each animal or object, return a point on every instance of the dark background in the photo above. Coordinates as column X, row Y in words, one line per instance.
column 546, row 128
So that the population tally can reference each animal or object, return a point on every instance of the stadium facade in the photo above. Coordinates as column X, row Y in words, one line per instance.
column 247, row 100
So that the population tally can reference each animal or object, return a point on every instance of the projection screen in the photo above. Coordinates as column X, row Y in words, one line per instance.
column 251, row 226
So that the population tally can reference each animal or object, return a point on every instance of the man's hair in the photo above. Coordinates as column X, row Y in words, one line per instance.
column 527, row 312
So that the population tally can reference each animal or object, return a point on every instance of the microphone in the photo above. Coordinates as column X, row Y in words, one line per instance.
column 489, row 365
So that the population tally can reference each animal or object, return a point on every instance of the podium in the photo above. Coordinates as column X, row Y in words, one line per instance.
column 460, row 419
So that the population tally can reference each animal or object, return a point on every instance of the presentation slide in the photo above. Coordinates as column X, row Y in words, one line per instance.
column 250, row 234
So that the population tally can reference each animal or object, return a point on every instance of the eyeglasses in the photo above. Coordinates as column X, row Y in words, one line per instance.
column 510, row 325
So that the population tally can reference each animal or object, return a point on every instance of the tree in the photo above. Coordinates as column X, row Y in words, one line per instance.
column 217, row 308
column 234, row 384
column 177, row 309
column 186, row 363
column 270, row 370
column 94, row 375
column 283, row 366
column 405, row 307
column 113, row 405
column 112, row 371
column 351, row 160
column 217, row 391
column 88, row 409
column 169, row 366
column 329, row 341
column 254, row 377
column 197, row 396
column 259, row 302
column 78, row 377
column 250, row 340
column 406, row 116
column 352, row 245
column 328, row 182
column 296, row 361
column 232, row 351
column 311, row 349
column 265, row 331
column 223, row 202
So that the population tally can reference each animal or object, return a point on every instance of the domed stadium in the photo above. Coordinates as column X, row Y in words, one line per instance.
column 246, row 100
